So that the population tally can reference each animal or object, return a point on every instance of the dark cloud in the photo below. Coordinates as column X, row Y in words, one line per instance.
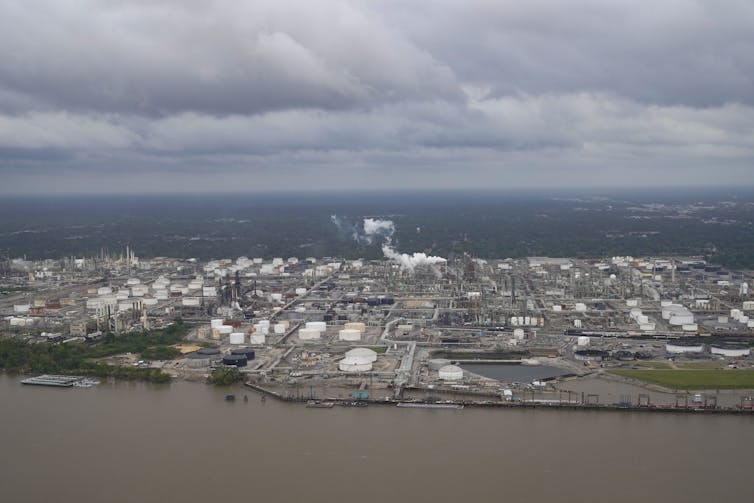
column 326, row 93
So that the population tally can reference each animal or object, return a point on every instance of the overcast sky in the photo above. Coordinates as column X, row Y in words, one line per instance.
column 186, row 96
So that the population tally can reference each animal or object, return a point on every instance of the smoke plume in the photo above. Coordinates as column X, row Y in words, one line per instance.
column 375, row 228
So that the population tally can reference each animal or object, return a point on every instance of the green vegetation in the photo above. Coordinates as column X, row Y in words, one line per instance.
column 139, row 342
column 76, row 358
column 652, row 365
column 161, row 353
column 225, row 376
column 694, row 379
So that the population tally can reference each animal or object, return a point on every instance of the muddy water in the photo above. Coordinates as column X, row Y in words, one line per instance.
column 183, row 442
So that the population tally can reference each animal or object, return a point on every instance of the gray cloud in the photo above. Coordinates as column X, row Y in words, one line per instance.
column 334, row 94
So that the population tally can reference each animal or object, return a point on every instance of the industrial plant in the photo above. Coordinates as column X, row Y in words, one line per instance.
column 407, row 328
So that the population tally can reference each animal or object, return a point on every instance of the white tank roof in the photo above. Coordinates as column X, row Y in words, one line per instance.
column 362, row 354
column 451, row 372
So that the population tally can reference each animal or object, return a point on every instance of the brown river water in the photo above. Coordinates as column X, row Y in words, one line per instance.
column 183, row 442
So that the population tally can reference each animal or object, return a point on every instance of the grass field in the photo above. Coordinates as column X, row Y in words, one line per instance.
column 694, row 379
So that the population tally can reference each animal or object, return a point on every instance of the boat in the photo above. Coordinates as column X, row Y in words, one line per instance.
column 316, row 404
column 420, row 405
column 230, row 398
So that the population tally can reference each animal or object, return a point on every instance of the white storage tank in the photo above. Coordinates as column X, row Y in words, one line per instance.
column 105, row 290
column 518, row 333
column 218, row 322
column 279, row 328
column 358, row 360
column 450, row 373
column 225, row 329
column 355, row 326
column 260, row 328
column 316, row 325
column 580, row 307
column 677, row 348
column 257, row 338
column 300, row 291
column 730, row 352
column 583, row 341
column 349, row 335
column 191, row 301
column 237, row 338
column 691, row 327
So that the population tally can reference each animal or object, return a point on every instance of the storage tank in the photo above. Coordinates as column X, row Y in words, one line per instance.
column 261, row 329
column 518, row 333
column 357, row 360
column 216, row 323
column 355, row 326
column 196, row 360
column 249, row 353
column 450, row 373
column 317, row 325
column 234, row 360
column 681, row 348
column 730, row 351
column 279, row 328
column 257, row 339
column 349, row 335
column 191, row 301
column 237, row 338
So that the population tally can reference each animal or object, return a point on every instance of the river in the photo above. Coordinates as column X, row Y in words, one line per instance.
column 127, row 442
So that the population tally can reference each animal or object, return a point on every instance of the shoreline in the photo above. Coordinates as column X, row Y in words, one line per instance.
column 522, row 404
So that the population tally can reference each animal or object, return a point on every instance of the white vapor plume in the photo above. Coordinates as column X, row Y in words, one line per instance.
column 410, row 262
column 375, row 226
column 348, row 228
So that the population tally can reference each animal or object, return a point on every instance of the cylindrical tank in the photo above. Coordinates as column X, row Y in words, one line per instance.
column 237, row 360
column 349, row 335
column 450, row 373
column 247, row 352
